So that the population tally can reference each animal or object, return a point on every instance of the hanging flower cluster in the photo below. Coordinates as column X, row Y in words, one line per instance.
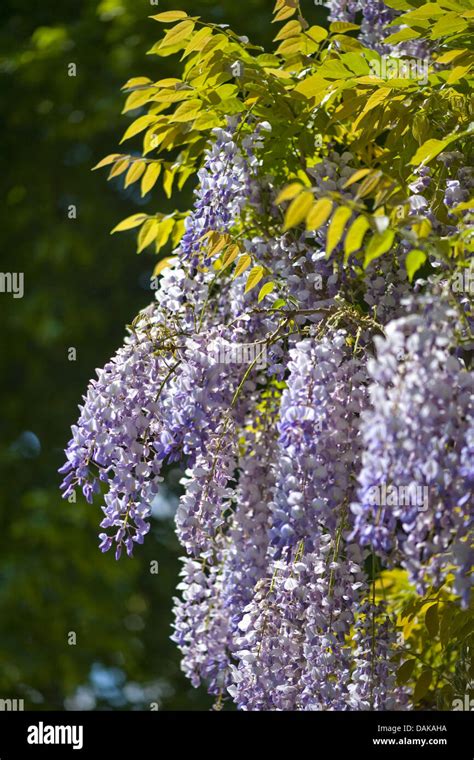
column 324, row 430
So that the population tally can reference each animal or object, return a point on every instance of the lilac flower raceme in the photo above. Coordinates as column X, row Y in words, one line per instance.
column 373, row 680
column 200, row 513
column 117, row 438
column 414, row 503
column 319, row 442
column 330, row 420
column 201, row 626
column 293, row 646
column 224, row 188
column 245, row 561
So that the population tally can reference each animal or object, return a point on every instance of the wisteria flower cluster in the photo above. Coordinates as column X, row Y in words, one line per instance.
column 325, row 430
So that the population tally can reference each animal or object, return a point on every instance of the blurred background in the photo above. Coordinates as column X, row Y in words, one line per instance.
column 81, row 288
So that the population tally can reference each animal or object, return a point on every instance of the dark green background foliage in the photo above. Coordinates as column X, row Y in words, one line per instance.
column 81, row 288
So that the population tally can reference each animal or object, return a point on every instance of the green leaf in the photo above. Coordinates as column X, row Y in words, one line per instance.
column 422, row 685
column 319, row 214
column 279, row 303
column 379, row 244
column 254, row 278
column 355, row 235
column 265, row 290
column 414, row 261
column 431, row 620
column 298, row 209
column 130, row 222
column 445, row 626
column 336, row 228
column 405, row 671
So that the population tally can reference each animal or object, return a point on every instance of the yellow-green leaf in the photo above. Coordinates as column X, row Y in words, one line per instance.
column 429, row 150
column 107, row 160
column 289, row 30
column 187, row 111
column 163, row 232
column 369, row 184
column 178, row 232
column 298, row 209
column 119, row 167
column 336, row 228
column 254, row 278
column 135, row 172
column 129, row 223
column 317, row 33
column 312, row 86
column 265, row 290
column 319, row 214
column 355, row 235
column 147, row 234
column 169, row 16
column 242, row 264
column 360, row 174
column 230, row 255
column 448, row 24
column 379, row 244
column 164, row 264
column 401, row 36
column 289, row 192
column 342, row 26
column 149, row 178
column 217, row 242
column 198, row 41
column 138, row 126
column 451, row 55
column 414, row 261
column 291, row 46
column 285, row 13
column 423, row 228
column 178, row 33
column 136, row 82
column 168, row 180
